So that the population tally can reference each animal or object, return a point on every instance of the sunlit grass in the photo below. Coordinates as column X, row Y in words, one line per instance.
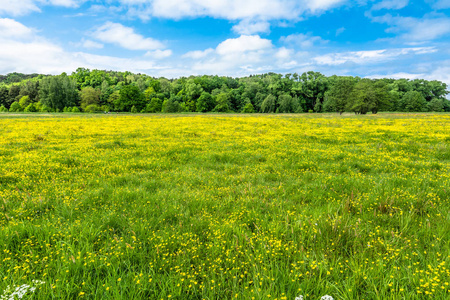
column 226, row 207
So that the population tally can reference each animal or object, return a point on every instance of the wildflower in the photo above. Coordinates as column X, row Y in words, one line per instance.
column 326, row 297
column 299, row 297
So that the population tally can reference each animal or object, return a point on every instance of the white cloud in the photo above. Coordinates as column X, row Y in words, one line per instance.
column 303, row 40
column 390, row 4
column 88, row 44
column 10, row 28
column 242, row 44
column 23, row 7
column 125, row 37
column 159, row 54
column 284, row 53
column 198, row 53
column 368, row 57
column 35, row 54
column 251, row 27
column 17, row 8
column 228, row 9
column 416, row 30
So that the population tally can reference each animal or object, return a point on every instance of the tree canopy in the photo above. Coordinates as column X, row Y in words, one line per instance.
column 265, row 93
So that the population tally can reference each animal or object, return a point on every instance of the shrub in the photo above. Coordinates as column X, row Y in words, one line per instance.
column 93, row 108
column 134, row 110
column 248, row 108
column 310, row 111
column 75, row 109
column 30, row 108
column 15, row 107
column 3, row 109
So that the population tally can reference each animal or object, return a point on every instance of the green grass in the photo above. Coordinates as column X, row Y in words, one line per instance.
column 226, row 207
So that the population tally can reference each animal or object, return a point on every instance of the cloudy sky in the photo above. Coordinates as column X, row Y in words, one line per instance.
column 172, row 38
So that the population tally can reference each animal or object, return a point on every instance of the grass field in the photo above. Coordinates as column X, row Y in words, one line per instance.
column 225, row 207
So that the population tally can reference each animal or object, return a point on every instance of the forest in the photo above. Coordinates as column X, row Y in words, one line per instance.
column 111, row 91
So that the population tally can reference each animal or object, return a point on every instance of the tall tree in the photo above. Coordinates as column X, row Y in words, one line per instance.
column 58, row 92
column 338, row 94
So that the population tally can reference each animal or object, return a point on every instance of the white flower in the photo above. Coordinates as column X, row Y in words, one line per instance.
column 326, row 297
column 299, row 297
column 20, row 291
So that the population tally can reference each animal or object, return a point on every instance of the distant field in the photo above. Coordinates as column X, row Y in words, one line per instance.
column 225, row 207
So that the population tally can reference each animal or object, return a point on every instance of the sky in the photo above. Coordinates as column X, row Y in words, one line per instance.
column 174, row 38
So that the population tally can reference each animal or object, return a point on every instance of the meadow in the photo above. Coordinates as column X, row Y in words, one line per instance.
column 225, row 206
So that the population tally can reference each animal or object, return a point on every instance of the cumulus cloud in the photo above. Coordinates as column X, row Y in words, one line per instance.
column 367, row 57
column 228, row 9
column 243, row 44
column 10, row 28
column 125, row 37
column 23, row 7
column 27, row 52
column 251, row 27
column 17, row 8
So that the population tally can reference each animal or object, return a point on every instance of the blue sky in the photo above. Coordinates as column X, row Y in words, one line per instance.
column 173, row 38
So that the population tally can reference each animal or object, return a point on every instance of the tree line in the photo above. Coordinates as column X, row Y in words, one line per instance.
column 98, row 90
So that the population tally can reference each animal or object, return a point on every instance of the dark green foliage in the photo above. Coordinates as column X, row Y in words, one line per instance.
column 436, row 105
column 413, row 101
column 286, row 104
column 130, row 96
column 58, row 92
column 362, row 98
column 205, row 102
column 154, row 106
column 337, row 96
column 271, row 92
column 170, row 106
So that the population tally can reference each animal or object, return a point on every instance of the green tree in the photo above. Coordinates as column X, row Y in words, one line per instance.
column 268, row 105
column 170, row 106
column 248, row 108
column 205, row 102
column 286, row 104
column 30, row 108
column 58, row 92
column 363, row 97
column 222, row 101
column 89, row 96
column 155, row 105
column 130, row 96
column 24, row 101
column 436, row 104
column 414, row 101
column 381, row 91
column 337, row 96
column 15, row 107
